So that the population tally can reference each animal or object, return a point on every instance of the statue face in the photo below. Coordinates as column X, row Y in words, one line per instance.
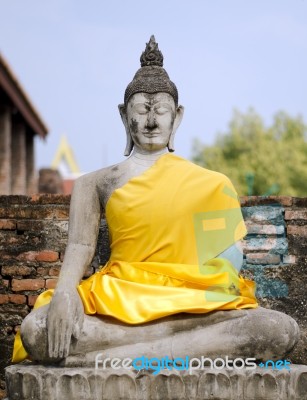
column 150, row 119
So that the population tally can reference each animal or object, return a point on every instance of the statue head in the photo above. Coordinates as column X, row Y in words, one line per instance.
column 150, row 109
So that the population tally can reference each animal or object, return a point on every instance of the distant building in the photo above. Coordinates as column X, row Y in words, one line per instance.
column 65, row 163
column 19, row 123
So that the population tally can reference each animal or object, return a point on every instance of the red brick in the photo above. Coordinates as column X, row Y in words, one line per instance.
column 50, row 199
column 34, row 212
column 19, row 285
column 13, row 270
column 27, row 256
column 286, row 201
column 42, row 271
column 248, row 201
column 35, row 198
column 297, row 230
column 17, row 298
column 47, row 255
column 32, row 300
column 54, row 271
column 4, row 298
column 51, row 283
column 7, row 224
column 296, row 214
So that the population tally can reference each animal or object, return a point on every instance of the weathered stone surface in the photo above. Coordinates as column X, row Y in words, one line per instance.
column 260, row 229
column 13, row 310
column 103, row 246
column 49, row 383
column 297, row 245
column 6, row 343
column 288, row 259
column 268, row 214
column 273, row 245
column 16, row 270
column 300, row 201
column 295, row 304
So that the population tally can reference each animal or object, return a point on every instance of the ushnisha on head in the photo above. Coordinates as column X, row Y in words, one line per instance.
column 150, row 112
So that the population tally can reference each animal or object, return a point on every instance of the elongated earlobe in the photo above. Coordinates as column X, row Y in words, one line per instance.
column 177, row 121
column 129, row 141
column 129, row 145
column 170, row 144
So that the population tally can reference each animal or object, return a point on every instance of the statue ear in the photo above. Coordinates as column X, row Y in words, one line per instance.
column 129, row 143
column 177, row 121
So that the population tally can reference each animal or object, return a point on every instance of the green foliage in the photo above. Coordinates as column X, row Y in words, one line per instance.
column 260, row 160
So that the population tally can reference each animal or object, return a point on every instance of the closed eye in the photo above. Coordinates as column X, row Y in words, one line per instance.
column 140, row 109
column 161, row 110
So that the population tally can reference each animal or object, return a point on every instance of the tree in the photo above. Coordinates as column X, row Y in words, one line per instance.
column 260, row 160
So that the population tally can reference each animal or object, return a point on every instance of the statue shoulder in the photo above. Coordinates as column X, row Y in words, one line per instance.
column 98, row 183
column 219, row 177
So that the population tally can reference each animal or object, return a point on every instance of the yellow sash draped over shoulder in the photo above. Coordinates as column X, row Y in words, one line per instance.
column 167, row 227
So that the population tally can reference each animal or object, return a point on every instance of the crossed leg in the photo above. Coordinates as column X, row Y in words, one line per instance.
column 259, row 333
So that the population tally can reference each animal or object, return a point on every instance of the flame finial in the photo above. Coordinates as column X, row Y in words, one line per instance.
column 151, row 77
column 151, row 55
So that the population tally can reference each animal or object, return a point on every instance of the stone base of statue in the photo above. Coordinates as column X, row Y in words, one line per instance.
column 36, row 382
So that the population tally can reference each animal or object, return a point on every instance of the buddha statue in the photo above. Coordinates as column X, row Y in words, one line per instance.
column 172, row 285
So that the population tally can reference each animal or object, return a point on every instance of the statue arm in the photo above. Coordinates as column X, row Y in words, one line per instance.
column 84, row 222
column 66, row 314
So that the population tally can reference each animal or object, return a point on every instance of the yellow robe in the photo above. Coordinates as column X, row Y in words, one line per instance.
column 167, row 226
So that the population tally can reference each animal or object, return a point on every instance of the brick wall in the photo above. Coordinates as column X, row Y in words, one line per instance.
column 33, row 236
column 276, row 258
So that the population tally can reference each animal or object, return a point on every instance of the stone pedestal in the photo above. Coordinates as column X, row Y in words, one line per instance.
column 35, row 382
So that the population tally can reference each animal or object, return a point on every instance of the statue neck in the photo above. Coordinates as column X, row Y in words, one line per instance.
column 146, row 158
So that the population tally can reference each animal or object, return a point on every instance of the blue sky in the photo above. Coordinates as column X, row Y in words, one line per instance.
column 76, row 57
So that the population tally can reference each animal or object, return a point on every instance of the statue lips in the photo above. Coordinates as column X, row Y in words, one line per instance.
column 151, row 134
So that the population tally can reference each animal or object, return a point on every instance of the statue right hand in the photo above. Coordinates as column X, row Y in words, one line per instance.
column 64, row 319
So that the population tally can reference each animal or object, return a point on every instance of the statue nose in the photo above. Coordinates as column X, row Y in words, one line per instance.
column 151, row 121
